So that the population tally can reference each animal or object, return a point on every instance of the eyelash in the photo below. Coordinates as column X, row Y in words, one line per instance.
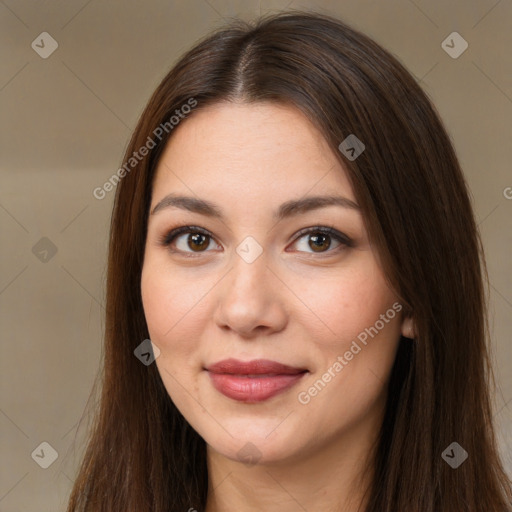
column 343, row 239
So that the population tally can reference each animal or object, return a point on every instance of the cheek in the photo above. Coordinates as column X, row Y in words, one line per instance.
column 356, row 352
column 172, row 305
column 169, row 308
column 351, row 303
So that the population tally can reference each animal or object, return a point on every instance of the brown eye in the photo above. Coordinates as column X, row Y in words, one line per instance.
column 198, row 241
column 320, row 240
column 187, row 239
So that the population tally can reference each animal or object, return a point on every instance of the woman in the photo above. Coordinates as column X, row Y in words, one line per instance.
column 293, row 233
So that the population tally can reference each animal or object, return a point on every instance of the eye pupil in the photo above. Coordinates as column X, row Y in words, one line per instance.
column 322, row 245
column 199, row 241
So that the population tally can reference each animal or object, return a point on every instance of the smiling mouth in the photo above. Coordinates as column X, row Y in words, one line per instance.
column 253, row 381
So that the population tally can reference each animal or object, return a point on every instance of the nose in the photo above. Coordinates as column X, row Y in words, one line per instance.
column 250, row 299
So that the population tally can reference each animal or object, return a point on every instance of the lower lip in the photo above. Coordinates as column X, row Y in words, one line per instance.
column 252, row 389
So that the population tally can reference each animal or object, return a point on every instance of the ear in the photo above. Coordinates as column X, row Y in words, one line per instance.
column 408, row 327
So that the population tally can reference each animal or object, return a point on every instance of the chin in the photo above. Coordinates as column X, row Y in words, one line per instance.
column 256, row 443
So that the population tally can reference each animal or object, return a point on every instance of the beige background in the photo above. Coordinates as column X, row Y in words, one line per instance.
column 65, row 122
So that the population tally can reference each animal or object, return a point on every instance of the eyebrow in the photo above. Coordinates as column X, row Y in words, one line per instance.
column 287, row 209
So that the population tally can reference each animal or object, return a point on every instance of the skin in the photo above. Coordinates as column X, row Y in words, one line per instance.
column 292, row 305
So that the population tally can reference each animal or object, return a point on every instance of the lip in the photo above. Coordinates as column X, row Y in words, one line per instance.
column 253, row 381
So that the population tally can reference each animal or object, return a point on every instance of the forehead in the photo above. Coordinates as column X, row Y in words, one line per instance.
column 254, row 149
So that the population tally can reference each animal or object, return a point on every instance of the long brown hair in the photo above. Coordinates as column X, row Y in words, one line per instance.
column 142, row 454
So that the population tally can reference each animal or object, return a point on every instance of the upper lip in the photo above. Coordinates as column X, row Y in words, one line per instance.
column 254, row 367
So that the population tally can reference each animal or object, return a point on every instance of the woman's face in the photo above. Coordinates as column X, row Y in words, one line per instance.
column 255, row 278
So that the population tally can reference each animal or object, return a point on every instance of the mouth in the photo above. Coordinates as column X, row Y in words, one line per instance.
column 253, row 381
